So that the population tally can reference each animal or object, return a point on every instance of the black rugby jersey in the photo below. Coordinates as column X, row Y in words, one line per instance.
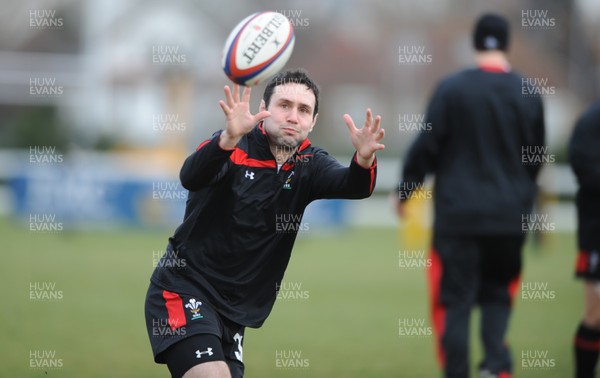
column 242, row 217
column 485, row 146
column 584, row 156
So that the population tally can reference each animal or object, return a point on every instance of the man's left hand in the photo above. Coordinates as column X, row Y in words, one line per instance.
column 366, row 140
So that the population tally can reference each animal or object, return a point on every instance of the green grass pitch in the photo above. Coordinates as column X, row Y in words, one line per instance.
column 345, row 299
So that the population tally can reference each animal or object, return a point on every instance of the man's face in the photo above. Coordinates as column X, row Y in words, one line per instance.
column 292, row 108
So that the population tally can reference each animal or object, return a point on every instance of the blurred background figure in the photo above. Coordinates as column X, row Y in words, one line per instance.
column 584, row 155
column 481, row 127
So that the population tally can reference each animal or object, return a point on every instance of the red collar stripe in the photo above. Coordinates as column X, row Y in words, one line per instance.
column 494, row 68
column 304, row 144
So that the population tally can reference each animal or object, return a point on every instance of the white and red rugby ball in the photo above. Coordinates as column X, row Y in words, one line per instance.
column 258, row 47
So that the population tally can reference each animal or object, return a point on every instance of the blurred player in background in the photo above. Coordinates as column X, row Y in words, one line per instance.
column 249, row 185
column 584, row 156
column 481, row 124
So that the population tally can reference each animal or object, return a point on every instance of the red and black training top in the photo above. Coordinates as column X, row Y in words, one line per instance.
column 242, row 217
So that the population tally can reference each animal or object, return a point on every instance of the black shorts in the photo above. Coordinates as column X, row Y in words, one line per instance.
column 587, row 266
column 178, row 321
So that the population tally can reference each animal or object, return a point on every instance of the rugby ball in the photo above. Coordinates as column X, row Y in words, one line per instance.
column 258, row 47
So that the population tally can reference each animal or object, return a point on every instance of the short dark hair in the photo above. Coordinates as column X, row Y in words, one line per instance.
column 491, row 33
column 297, row 76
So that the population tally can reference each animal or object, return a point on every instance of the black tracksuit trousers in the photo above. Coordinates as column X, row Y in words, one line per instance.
column 467, row 271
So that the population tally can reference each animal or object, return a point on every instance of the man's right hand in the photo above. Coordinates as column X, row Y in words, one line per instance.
column 239, row 120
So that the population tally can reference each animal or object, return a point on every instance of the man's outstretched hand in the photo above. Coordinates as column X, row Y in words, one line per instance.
column 239, row 120
column 366, row 140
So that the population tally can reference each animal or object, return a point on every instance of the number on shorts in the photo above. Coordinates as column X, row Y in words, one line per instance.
column 239, row 354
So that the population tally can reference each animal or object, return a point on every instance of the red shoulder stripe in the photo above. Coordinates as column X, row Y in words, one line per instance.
column 203, row 144
column 240, row 157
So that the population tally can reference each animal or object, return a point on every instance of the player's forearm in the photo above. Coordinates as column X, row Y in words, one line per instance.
column 334, row 181
column 228, row 142
column 419, row 162
column 203, row 165
column 413, row 174
column 354, row 182
column 365, row 162
column 363, row 175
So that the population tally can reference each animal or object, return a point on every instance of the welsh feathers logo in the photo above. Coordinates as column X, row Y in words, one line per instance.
column 288, row 183
column 194, row 307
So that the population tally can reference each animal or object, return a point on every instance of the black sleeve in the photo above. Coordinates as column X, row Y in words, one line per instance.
column 204, row 165
column 536, row 137
column 423, row 154
column 584, row 150
column 331, row 180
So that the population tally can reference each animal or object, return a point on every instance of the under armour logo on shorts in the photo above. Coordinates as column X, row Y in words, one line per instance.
column 207, row 351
